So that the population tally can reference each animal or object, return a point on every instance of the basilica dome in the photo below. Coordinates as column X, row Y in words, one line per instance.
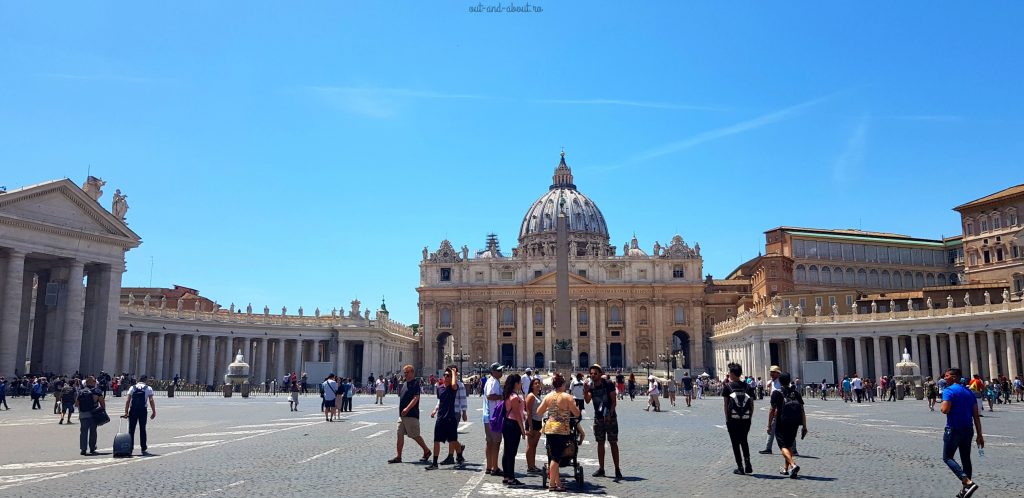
column 583, row 215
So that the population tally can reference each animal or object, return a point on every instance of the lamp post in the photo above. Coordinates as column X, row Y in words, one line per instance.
column 479, row 364
column 461, row 357
column 647, row 363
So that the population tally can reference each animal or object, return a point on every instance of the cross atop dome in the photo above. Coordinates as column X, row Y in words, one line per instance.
column 563, row 175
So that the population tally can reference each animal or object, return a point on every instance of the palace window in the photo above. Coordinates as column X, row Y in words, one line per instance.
column 680, row 317
column 582, row 273
column 803, row 303
column 1016, row 252
column 785, row 303
column 798, row 248
column 479, row 316
column 974, row 259
column 677, row 271
column 996, row 222
column 507, row 316
column 984, row 224
column 817, row 301
column 614, row 314
column 986, row 257
column 801, row 273
column 969, row 228
column 537, row 273
column 1011, row 218
column 538, row 316
column 643, row 315
column 583, row 316
column 831, row 300
column 506, row 274
column 445, row 318
column 446, row 274
column 999, row 254
column 849, row 300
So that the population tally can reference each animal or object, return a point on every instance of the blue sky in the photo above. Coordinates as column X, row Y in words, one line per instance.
column 304, row 155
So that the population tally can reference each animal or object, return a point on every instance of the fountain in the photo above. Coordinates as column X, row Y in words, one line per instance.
column 908, row 371
column 238, row 375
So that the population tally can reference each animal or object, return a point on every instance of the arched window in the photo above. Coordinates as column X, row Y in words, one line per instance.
column 507, row 316
column 812, row 274
column 897, row 280
column 826, row 275
column 969, row 227
column 873, row 278
column 929, row 280
column 445, row 317
column 983, row 222
column 538, row 316
column 614, row 314
column 801, row 273
column 480, row 316
column 918, row 280
column 837, row 275
column 862, row 277
column 680, row 316
column 643, row 314
column 942, row 279
column 996, row 221
column 908, row 280
column 1011, row 217
column 538, row 360
column 849, row 279
column 884, row 280
column 584, row 360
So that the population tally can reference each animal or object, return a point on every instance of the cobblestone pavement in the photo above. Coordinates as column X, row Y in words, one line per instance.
column 250, row 448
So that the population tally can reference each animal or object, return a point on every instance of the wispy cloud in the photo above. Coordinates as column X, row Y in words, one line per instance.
column 101, row 77
column 727, row 131
column 380, row 102
column 852, row 156
column 924, row 117
column 628, row 103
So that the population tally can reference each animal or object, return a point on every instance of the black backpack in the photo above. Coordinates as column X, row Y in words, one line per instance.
column 86, row 400
column 792, row 412
column 741, row 406
column 138, row 400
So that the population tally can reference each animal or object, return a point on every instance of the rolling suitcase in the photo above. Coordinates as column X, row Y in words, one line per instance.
column 122, row 442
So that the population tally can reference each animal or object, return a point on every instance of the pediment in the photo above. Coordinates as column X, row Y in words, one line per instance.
column 62, row 205
column 549, row 279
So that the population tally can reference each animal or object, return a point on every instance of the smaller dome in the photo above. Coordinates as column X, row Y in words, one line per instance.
column 634, row 250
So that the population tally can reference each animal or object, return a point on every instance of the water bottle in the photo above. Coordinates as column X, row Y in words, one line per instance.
column 981, row 454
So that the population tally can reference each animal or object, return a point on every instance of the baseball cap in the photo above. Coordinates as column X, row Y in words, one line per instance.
column 496, row 366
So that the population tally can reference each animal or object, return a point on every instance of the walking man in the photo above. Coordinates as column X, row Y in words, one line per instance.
column 606, row 426
column 787, row 415
column 87, row 401
column 135, row 410
column 739, row 409
column 774, row 385
column 858, row 387
column 67, row 396
column 687, row 388
column 453, row 412
column 330, row 390
column 961, row 410
column 380, row 388
column 3, row 392
column 492, row 395
column 931, row 391
column 409, row 411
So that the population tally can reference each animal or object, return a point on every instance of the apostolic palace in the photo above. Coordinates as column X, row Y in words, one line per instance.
column 851, row 297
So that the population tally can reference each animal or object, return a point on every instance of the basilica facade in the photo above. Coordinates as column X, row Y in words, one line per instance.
column 628, row 308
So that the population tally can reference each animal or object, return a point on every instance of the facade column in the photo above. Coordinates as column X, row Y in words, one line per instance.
column 160, row 360
column 71, row 345
column 143, row 354
column 933, row 340
column 176, row 359
column 211, row 359
column 794, row 367
column 877, row 344
column 11, row 322
column 858, row 356
column 592, row 327
column 193, row 358
column 972, row 353
column 548, row 355
column 821, row 348
column 262, row 362
column 574, row 333
column 629, row 344
column 520, row 335
column 1011, row 356
column 531, row 334
column 840, row 359
column 493, row 332
column 602, row 336
column 126, row 351
column 993, row 357
column 297, row 358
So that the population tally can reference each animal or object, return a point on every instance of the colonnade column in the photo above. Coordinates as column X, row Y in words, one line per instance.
column 211, row 358
column 972, row 352
column 262, row 363
column 279, row 363
column 158, row 370
column 766, row 360
column 602, row 336
column 71, row 343
column 11, row 320
column 193, row 358
column 794, row 367
column 877, row 349
column 297, row 358
column 858, row 356
column 1011, row 355
column 915, row 349
column 821, row 348
column 840, row 359
column 933, row 339
column 126, row 351
column 954, row 350
column 993, row 357
column 896, row 353
column 176, row 359
column 143, row 353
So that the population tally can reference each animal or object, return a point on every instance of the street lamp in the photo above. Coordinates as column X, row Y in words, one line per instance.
column 461, row 357
column 668, row 356
column 647, row 363
column 479, row 365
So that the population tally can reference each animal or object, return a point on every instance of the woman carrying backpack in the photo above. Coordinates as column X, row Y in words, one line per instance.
column 739, row 408
column 788, row 412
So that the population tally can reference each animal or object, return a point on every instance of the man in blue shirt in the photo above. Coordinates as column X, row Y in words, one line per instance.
column 961, row 410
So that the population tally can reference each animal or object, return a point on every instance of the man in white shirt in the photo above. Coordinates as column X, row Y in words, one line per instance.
column 330, row 390
column 576, row 388
column 772, row 386
column 654, row 390
column 492, row 394
column 381, row 389
column 135, row 410
column 858, row 387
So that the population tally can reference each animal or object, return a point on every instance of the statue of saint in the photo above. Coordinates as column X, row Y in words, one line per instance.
column 93, row 187
column 131, row 299
column 266, row 310
column 799, row 311
column 366, row 315
column 1006, row 296
column 195, row 306
column 465, row 252
column 892, row 306
column 967, row 299
column 163, row 302
column 145, row 301
column 119, row 207
column 910, row 304
column 181, row 304
column 929, row 304
column 988, row 299
column 300, row 311
column 855, row 309
column 874, row 307
column 425, row 253
column 817, row 309
column 835, row 309
column 625, row 249
column 248, row 309
column 949, row 301
column 231, row 309
column 657, row 248
column 696, row 248
column 284, row 310
column 334, row 312
column 317, row 312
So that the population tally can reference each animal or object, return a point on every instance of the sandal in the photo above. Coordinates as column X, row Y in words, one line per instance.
column 558, row 489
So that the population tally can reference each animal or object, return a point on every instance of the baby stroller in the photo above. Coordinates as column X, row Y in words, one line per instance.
column 568, row 458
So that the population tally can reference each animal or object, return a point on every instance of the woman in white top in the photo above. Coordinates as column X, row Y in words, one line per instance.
column 533, row 425
column 654, row 390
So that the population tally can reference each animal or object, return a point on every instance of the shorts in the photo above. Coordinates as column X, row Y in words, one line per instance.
column 446, row 430
column 69, row 409
column 687, row 392
column 492, row 437
column 330, row 403
column 409, row 426
column 785, row 436
column 579, row 404
column 536, row 425
column 606, row 428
